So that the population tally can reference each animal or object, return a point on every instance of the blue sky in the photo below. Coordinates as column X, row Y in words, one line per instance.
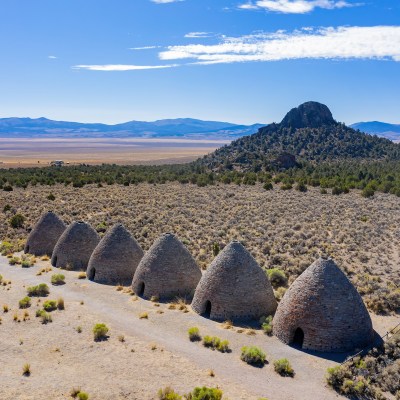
column 241, row 61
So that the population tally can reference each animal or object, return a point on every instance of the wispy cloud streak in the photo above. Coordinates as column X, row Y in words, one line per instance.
column 122, row 67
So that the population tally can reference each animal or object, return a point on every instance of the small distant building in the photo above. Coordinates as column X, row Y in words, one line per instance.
column 44, row 235
column 323, row 311
column 116, row 257
column 166, row 271
column 234, row 287
column 75, row 246
column 57, row 163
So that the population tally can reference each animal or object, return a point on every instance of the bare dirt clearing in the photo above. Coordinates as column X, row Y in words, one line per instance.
column 27, row 152
column 61, row 358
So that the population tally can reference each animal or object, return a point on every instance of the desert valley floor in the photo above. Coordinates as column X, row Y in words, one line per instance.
column 285, row 229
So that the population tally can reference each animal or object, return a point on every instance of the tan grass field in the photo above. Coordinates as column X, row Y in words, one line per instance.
column 39, row 152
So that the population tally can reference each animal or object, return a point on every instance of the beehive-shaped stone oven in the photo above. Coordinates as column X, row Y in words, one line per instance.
column 323, row 311
column 116, row 257
column 75, row 246
column 45, row 234
column 167, row 271
column 234, row 287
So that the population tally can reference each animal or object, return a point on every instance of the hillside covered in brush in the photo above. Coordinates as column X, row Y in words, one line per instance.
column 308, row 133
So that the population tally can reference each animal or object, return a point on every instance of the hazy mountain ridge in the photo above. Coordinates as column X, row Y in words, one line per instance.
column 307, row 133
column 382, row 129
column 181, row 127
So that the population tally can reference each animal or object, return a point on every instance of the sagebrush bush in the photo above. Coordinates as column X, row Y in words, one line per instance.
column 168, row 394
column 194, row 334
column 25, row 302
column 58, row 279
column 277, row 277
column 266, row 325
column 41, row 290
column 215, row 343
column 253, row 355
column 205, row 393
column 50, row 305
column 100, row 332
column 283, row 367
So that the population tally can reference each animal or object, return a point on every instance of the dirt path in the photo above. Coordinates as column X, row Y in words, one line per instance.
column 110, row 370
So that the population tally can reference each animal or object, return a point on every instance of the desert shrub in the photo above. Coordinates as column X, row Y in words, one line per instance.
column 266, row 324
column 287, row 186
column 367, row 192
column 82, row 396
column 168, row 394
column 51, row 197
column 6, row 208
column 26, row 263
column 215, row 249
column 277, row 277
column 25, row 302
column 17, row 221
column 215, row 343
column 283, row 367
column 253, row 355
column 279, row 293
column 6, row 248
column 268, row 186
column 40, row 290
column 194, row 334
column 50, row 305
column 205, row 393
column 44, row 316
column 100, row 332
column 14, row 261
column 301, row 187
column 58, row 279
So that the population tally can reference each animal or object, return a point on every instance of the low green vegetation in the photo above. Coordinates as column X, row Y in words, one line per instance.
column 253, row 355
column 17, row 221
column 25, row 302
column 378, row 176
column 366, row 377
column 277, row 277
column 41, row 290
column 44, row 316
column 194, row 334
column 58, row 279
column 215, row 343
column 50, row 305
column 283, row 367
column 198, row 393
column 100, row 332
column 26, row 370
column 266, row 324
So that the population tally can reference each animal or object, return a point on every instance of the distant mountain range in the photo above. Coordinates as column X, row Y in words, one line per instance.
column 185, row 128
column 167, row 128
column 382, row 129
column 307, row 133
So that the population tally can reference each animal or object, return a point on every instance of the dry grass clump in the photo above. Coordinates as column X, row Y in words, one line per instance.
column 283, row 230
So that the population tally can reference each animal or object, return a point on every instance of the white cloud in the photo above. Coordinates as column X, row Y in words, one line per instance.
column 122, row 67
column 52, row 57
column 199, row 35
column 144, row 48
column 376, row 42
column 295, row 6
column 165, row 1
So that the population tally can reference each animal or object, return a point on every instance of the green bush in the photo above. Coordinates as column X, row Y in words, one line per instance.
column 26, row 263
column 215, row 343
column 283, row 367
column 168, row 394
column 301, row 187
column 277, row 277
column 100, row 332
column 368, row 192
column 58, row 279
column 266, row 324
column 205, row 393
column 25, row 302
column 50, row 305
column 82, row 396
column 17, row 221
column 41, row 290
column 268, row 186
column 253, row 355
column 44, row 316
column 194, row 334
